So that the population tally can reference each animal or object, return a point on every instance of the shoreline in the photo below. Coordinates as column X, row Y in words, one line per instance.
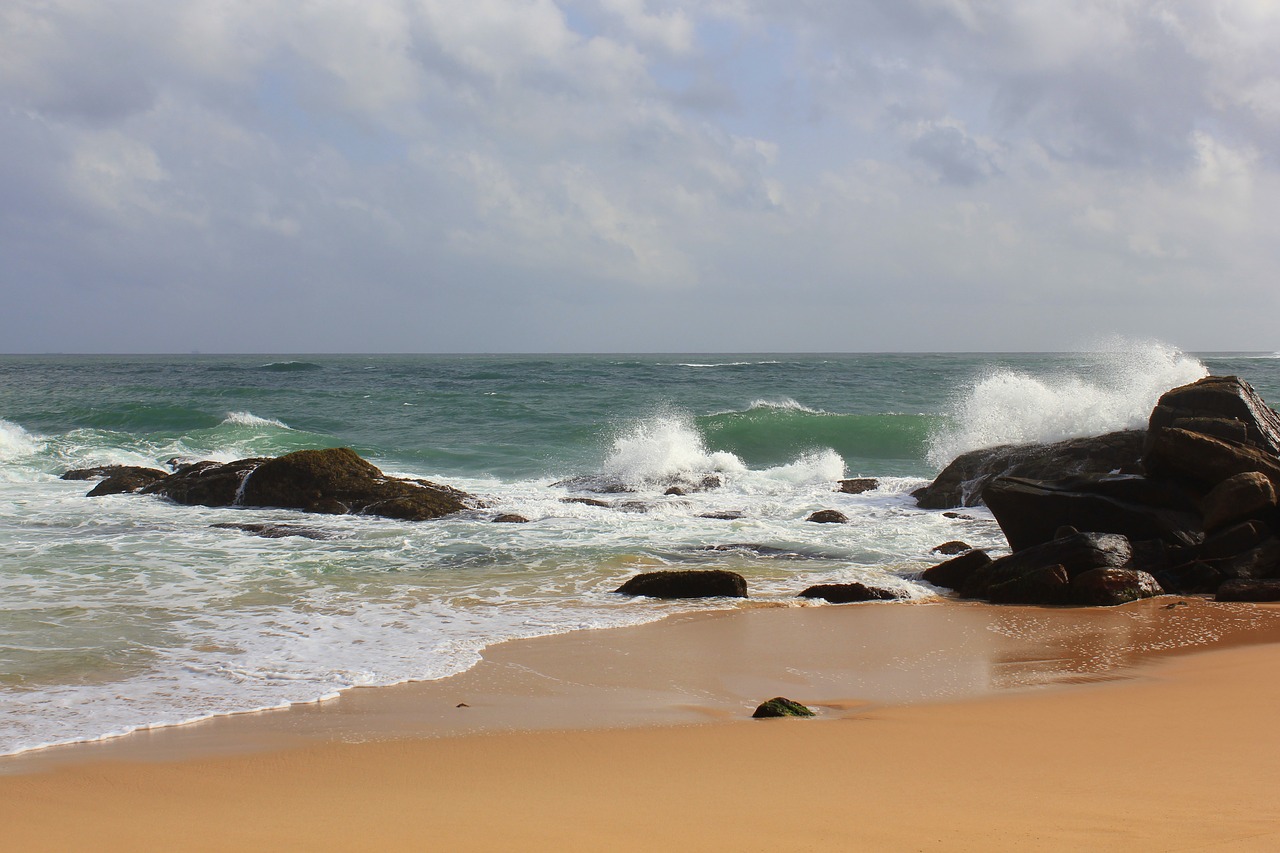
column 912, row 698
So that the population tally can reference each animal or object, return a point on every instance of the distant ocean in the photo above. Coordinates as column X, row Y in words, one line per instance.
column 124, row 612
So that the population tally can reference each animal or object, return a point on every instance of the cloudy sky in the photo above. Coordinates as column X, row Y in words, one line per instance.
column 637, row 175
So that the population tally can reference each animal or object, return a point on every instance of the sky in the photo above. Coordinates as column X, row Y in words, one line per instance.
column 637, row 175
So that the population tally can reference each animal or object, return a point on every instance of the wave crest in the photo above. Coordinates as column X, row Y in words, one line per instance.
column 664, row 448
column 16, row 441
column 249, row 419
column 1115, row 389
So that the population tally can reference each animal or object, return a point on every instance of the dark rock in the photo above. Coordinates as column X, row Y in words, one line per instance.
column 1031, row 511
column 1220, row 407
column 675, row 490
column 759, row 550
column 1203, row 461
column 731, row 515
column 1250, row 590
column 1076, row 554
column 950, row 549
column 127, row 479
column 686, row 584
column 858, row 485
column 585, row 502
column 848, row 593
column 205, row 483
column 958, row 515
column 1110, row 586
column 510, row 518
column 955, row 573
column 1234, row 540
column 329, row 481
column 1262, row 561
column 274, row 531
column 102, row 472
column 1246, row 495
column 828, row 516
column 780, row 706
column 597, row 483
column 961, row 483
column 1044, row 585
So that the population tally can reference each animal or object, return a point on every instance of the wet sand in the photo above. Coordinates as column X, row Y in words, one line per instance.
column 941, row 726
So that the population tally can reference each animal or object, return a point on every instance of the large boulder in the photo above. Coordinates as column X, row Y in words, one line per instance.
column 118, row 479
column 961, row 483
column 1031, row 511
column 333, row 481
column 1246, row 495
column 955, row 573
column 1203, row 461
column 1107, row 587
column 706, row 583
column 1075, row 554
column 1246, row 590
column 1224, row 407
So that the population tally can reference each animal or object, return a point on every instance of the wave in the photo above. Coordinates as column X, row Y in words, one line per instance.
column 663, row 449
column 772, row 433
column 1113, row 388
column 249, row 419
column 290, row 366
column 16, row 442
column 721, row 363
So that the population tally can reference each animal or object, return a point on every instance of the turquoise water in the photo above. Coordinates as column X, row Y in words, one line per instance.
column 128, row 611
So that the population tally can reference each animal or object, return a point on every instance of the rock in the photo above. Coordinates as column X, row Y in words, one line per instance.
column 332, row 481
column 1031, row 511
column 126, row 479
column 1222, row 407
column 274, row 531
column 828, row 516
column 1236, row 498
column 958, row 515
column 102, row 472
column 1249, row 590
column 732, row 515
column 1076, row 554
column 961, row 483
column 848, row 593
column 1110, row 586
column 1044, row 585
column 858, row 485
column 953, row 574
column 676, row 491
column 780, row 706
column 510, row 518
column 205, row 483
column 950, row 549
column 585, row 502
column 759, row 550
column 1202, row 461
column 686, row 584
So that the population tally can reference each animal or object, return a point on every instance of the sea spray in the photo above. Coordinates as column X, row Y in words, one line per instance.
column 1112, row 389
column 664, row 448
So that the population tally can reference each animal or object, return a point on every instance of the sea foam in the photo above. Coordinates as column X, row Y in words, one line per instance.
column 249, row 419
column 1113, row 388
column 662, row 448
column 15, row 441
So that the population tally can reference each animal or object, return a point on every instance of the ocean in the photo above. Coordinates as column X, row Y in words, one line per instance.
column 127, row 612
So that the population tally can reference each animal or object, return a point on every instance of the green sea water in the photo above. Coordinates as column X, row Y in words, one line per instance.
column 128, row 611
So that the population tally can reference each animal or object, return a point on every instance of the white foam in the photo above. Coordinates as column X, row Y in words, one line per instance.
column 16, row 442
column 249, row 419
column 821, row 466
column 786, row 404
column 664, row 447
column 1114, row 388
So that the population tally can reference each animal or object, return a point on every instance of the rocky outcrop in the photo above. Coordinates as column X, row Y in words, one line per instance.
column 780, row 706
column 708, row 583
column 849, row 593
column 334, row 481
column 955, row 573
column 962, row 482
column 117, row 479
column 858, row 485
column 1198, row 514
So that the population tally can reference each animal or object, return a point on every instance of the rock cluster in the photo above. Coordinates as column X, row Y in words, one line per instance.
column 334, row 481
column 1195, row 512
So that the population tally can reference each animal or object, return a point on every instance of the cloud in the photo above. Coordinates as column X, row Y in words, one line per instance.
column 637, row 174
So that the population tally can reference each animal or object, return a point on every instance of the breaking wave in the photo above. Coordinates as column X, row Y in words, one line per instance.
column 1111, row 389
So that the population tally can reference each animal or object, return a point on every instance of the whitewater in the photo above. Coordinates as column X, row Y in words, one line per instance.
column 127, row 612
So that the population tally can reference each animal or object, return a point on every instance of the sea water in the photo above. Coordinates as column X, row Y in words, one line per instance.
column 125, row 612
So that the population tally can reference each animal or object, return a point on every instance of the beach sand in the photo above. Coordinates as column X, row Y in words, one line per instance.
column 944, row 726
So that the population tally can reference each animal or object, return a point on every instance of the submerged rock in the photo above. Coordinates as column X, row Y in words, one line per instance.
column 510, row 518
column 707, row 583
column 780, row 706
column 950, row 549
column 858, row 485
column 849, row 593
column 828, row 516
column 274, row 531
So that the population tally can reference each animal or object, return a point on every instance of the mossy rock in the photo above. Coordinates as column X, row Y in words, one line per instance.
column 780, row 706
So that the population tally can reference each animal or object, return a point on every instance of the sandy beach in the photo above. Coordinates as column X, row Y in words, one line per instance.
column 945, row 726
